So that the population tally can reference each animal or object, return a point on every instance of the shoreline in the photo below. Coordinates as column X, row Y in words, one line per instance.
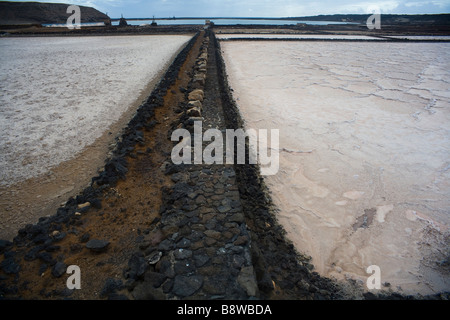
column 265, row 240
column 354, row 29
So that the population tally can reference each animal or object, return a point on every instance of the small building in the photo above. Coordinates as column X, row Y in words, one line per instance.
column 123, row 22
column 154, row 23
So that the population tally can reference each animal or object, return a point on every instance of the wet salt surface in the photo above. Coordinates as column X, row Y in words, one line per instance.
column 59, row 94
column 298, row 36
column 365, row 148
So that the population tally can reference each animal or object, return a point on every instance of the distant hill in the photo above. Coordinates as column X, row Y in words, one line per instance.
column 393, row 19
column 23, row 13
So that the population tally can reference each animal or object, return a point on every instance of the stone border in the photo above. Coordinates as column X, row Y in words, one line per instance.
column 43, row 235
column 205, row 253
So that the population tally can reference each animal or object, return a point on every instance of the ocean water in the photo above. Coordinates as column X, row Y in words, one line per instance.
column 227, row 22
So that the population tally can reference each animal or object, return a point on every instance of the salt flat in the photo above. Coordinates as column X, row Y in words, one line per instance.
column 298, row 36
column 59, row 94
column 447, row 38
column 364, row 152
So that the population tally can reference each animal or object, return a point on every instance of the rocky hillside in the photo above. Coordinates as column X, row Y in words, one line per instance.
column 20, row 13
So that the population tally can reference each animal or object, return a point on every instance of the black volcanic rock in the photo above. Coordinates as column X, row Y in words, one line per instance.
column 4, row 244
column 96, row 245
column 10, row 266
column 22, row 13
column 59, row 269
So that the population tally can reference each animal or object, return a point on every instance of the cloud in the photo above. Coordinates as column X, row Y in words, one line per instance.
column 256, row 8
column 366, row 7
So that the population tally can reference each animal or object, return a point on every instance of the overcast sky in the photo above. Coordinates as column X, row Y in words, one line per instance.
column 255, row 8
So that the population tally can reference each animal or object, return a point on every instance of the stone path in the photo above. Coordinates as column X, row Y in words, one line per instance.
column 207, row 253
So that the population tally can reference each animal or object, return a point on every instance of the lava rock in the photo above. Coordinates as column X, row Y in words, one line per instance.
column 137, row 266
column 181, row 254
column 110, row 287
column 4, row 244
column 96, row 204
column 10, row 266
column 85, row 238
column 59, row 236
column 185, row 286
column 155, row 279
column 59, row 269
column 46, row 257
column 96, row 245
column 32, row 253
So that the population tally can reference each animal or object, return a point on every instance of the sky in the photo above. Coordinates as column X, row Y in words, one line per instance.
column 256, row 8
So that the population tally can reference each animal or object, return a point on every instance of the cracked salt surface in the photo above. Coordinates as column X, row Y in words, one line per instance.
column 373, row 188
column 59, row 94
